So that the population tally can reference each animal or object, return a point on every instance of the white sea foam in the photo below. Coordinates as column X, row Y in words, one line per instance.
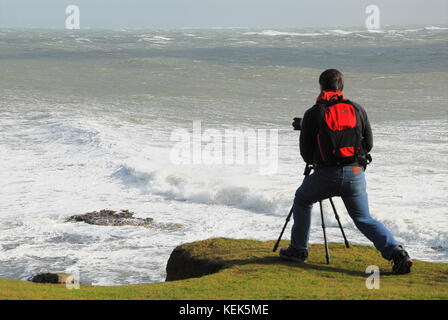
column 342, row 32
column 375, row 31
column 434, row 28
column 182, row 187
column 154, row 39
column 338, row 32
column 273, row 33
column 91, row 165
column 83, row 40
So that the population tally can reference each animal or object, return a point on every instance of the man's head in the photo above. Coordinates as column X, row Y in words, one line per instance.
column 331, row 80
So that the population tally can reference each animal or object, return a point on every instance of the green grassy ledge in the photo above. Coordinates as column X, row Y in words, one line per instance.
column 248, row 269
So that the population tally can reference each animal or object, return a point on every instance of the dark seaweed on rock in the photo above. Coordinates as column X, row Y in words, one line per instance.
column 122, row 218
column 111, row 218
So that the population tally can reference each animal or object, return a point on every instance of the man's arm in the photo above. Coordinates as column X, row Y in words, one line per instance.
column 368, row 136
column 367, row 131
column 308, row 136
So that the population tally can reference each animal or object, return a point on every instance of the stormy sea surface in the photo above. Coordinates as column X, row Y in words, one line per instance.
column 87, row 120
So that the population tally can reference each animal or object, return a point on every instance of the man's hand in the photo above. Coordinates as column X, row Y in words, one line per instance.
column 297, row 124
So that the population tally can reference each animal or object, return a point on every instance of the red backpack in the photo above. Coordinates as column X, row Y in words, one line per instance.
column 340, row 133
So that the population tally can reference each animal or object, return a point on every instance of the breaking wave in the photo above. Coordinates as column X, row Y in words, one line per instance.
column 181, row 187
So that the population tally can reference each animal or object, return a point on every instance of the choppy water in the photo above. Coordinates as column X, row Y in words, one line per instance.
column 86, row 119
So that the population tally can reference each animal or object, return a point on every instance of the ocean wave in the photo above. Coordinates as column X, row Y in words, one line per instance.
column 71, row 134
column 273, row 33
column 375, row 31
column 154, row 39
column 416, row 233
column 181, row 187
column 434, row 28
column 83, row 40
column 342, row 32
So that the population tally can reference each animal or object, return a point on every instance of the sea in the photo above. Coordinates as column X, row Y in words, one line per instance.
column 89, row 120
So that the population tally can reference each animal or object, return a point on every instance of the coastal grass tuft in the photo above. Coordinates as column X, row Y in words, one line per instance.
column 250, row 270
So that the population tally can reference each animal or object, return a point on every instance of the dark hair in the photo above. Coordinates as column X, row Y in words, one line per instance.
column 331, row 80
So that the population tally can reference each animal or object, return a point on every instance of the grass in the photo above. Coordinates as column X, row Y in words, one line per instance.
column 250, row 270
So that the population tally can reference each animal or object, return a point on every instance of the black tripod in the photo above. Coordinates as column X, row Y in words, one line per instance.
column 327, row 254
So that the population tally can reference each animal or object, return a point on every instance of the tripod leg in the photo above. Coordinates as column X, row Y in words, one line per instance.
column 283, row 230
column 339, row 223
column 327, row 254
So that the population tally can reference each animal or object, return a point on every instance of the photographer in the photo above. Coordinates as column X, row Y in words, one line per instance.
column 335, row 140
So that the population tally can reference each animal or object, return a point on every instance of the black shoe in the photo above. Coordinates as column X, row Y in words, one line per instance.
column 293, row 254
column 402, row 261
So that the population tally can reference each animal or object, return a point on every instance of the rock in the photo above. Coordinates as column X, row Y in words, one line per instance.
column 184, row 265
column 53, row 278
column 111, row 218
column 122, row 218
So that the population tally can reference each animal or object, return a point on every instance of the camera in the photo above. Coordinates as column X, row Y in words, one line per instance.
column 297, row 124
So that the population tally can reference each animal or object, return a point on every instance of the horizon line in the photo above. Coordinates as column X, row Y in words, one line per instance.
column 220, row 27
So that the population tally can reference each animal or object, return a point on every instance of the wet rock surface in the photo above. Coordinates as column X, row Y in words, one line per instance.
column 121, row 218
column 111, row 218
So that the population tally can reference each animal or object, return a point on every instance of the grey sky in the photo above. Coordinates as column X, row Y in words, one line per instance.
column 219, row 13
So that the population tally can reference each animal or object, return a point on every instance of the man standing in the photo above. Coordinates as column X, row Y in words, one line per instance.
column 335, row 139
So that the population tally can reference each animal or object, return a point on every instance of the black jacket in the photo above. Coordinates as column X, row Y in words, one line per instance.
column 308, row 135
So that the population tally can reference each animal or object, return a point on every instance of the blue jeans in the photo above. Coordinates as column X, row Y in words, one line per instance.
column 349, row 183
